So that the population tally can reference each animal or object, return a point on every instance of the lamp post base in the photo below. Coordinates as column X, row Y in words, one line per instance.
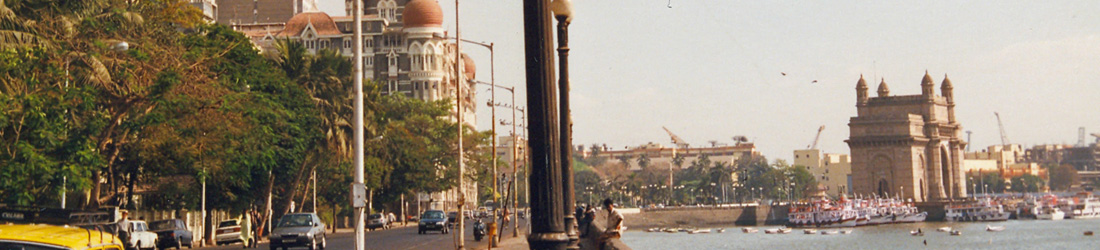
column 548, row 241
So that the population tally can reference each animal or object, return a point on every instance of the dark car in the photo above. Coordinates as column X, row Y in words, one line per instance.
column 433, row 220
column 452, row 217
column 298, row 230
column 171, row 233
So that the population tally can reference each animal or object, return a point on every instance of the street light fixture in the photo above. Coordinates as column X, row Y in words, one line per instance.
column 563, row 12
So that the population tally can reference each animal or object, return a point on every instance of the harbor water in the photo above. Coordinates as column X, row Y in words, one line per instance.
column 1018, row 234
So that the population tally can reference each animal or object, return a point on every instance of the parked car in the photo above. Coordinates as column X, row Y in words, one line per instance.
column 433, row 220
column 141, row 237
column 41, row 236
column 172, row 233
column 377, row 221
column 229, row 232
column 452, row 217
column 299, row 230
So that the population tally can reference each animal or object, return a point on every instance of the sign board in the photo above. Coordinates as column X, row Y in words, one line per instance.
column 358, row 195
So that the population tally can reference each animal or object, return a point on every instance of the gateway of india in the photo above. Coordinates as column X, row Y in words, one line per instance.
column 907, row 146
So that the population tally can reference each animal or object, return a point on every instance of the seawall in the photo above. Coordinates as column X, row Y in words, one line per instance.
column 749, row 214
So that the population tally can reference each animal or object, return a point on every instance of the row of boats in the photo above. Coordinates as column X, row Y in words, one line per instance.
column 862, row 212
column 853, row 212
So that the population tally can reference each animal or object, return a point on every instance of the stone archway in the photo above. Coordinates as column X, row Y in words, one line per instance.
column 945, row 173
column 883, row 188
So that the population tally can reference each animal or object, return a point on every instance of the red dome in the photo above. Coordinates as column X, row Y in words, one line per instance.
column 422, row 13
column 469, row 66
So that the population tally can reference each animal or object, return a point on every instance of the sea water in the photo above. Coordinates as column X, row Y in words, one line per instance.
column 1018, row 234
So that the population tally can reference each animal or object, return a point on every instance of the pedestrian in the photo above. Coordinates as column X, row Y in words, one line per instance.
column 122, row 228
column 246, row 231
column 614, row 223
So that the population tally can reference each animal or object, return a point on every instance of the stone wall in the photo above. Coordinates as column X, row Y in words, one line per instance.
column 706, row 216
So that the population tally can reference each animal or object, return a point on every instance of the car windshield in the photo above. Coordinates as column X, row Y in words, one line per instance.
column 432, row 215
column 295, row 220
column 375, row 216
column 227, row 223
column 162, row 225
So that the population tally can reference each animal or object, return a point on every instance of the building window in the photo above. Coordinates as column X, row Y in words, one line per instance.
column 347, row 43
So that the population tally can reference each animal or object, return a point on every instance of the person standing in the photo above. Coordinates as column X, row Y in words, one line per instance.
column 246, row 231
column 614, row 222
column 122, row 228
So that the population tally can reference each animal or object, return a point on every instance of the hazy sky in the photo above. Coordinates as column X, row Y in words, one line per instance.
column 710, row 70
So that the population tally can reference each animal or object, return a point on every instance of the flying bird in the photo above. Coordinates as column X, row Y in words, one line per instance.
column 815, row 81
column 669, row 4
column 783, row 73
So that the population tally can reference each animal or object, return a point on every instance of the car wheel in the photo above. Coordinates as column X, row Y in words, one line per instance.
column 312, row 244
column 324, row 242
column 179, row 243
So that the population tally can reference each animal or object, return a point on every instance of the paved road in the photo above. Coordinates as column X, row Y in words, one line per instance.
column 397, row 238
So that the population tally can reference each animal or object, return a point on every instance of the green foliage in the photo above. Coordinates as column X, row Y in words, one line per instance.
column 1062, row 177
column 1027, row 183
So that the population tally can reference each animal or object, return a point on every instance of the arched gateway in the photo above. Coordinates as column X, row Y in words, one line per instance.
column 916, row 134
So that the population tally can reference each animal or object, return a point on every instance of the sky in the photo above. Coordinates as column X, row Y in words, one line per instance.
column 711, row 70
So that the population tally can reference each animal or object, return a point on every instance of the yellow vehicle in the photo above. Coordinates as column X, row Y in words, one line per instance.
column 48, row 237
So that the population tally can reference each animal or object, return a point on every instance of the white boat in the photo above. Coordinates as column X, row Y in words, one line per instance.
column 721, row 230
column 829, row 232
column 981, row 210
column 749, row 230
column 653, row 230
column 1050, row 213
column 809, row 231
column 699, row 231
column 917, row 232
column 943, row 229
column 994, row 229
column 845, row 231
column 1082, row 206
column 956, row 233
column 771, row 231
column 784, row 230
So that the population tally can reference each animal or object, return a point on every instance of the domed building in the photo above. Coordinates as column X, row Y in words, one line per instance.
column 405, row 50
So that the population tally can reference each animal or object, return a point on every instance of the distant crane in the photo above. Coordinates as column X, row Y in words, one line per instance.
column 814, row 144
column 676, row 139
column 1004, row 137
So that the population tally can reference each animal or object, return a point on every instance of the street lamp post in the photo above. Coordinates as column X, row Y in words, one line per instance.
column 563, row 12
column 547, row 222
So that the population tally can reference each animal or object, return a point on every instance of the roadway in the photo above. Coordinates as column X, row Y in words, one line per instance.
column 398, row 237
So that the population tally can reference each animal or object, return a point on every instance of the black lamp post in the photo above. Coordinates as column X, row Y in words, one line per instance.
column 547, row 218
column 563, row 12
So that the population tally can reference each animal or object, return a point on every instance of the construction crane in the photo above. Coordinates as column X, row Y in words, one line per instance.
column 1004, row 137
column 676, row 139
column 814, row 144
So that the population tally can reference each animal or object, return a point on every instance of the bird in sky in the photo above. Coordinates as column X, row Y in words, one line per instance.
column 783, row 73
column 815, row 81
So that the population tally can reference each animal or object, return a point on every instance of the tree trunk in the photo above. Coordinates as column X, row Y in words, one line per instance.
column 297, row 184
column 267, row 204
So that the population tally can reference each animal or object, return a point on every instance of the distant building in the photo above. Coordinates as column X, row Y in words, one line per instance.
column 231, row 12
column 832, row 171
column 505, row 153
column 209, row 9
column 907, row 145
column 1007, row 160
column 662, row 157
column 406, row 50
column 1086, row 160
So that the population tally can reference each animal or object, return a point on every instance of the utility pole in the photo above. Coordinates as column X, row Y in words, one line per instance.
column 357, row 122
column 461, row 157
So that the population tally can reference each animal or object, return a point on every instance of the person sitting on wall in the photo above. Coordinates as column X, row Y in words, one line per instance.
column 614, row 223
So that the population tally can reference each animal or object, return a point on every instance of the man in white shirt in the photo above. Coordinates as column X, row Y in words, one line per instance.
column 614, row 221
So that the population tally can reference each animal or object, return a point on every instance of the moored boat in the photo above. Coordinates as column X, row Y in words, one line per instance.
column 749, row 230
column 981, row 210
column 943, row 229
column 994, row 228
